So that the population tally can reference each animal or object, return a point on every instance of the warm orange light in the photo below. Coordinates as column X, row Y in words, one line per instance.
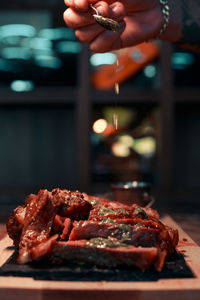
column 99, row 126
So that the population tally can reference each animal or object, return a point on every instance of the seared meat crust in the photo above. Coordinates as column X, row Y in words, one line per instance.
column 61, row 225
column 15, row 224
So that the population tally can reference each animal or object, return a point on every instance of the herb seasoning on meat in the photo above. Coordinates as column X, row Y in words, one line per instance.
column 106, row 243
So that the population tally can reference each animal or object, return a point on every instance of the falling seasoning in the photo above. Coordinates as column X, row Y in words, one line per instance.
column 113, row 25
column 115, row 116
column 116, row 83
column 115, row 121
column 117, row 88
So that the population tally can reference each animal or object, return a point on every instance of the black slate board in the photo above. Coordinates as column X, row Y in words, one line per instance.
column 175, row 267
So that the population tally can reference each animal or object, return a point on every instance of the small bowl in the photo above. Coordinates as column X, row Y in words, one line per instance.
column 132, row 192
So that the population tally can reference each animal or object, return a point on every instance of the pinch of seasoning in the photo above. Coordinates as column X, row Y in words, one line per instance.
column 117, row 88
column 116, row 83
column 115, row 121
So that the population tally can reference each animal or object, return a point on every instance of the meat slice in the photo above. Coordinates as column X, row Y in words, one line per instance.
column 39, row 216
column 82, row 250
column 106, row 211
column 132, row 235
column 30, row 198
column 98, row 202
column 15, row 224
column 173, row 234
column 115, row 210
column 66, row 230
column 72, row 204
column 58, row 225
column 149, row 211
column 62, row 226
column 137, row 234
column 42, row 250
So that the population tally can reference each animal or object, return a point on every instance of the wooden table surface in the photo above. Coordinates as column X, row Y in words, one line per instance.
column 190, row 223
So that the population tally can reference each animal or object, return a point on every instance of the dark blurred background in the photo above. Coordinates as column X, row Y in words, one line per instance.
column 56, row 125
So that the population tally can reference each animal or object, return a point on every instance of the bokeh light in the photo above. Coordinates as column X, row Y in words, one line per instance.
column 120, row 149
column 99, row 126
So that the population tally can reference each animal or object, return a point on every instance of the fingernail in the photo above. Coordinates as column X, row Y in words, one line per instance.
column 76, row 3
column 114, row 8
column 99, row 8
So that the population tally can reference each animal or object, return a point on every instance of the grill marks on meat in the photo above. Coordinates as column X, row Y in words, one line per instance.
column 39, row 216
column 32, row 224
column 63, row 226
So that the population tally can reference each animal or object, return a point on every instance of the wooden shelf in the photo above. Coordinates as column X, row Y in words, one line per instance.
column 67, row 95
column 41, row 95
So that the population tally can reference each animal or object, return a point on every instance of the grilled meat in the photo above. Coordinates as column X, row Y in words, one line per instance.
column 103, row 252
column 61, row 226
column 15, row 224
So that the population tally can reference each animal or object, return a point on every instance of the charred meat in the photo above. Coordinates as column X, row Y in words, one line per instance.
column 61, row 226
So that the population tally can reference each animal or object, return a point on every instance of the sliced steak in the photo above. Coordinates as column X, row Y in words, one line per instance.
column 133, row 235
column 42, row 250
column 58, row 225
column 67, row 229
column 93, row 230
column 39, row 216
column 106, row 211
column 84, row 251
column 15, row 224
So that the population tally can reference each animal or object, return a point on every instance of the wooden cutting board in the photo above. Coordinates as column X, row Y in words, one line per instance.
column 13, row 287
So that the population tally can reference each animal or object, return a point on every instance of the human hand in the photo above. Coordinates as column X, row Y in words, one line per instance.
column 140, row 20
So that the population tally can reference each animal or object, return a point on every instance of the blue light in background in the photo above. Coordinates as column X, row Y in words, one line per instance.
column 47, row 61
column 5, row 65
column 10, row 40
column 68, row 47
column 16, row 53
column 57, row 33
column 43, row 52
column 181, row 60
column 150, row 71
column 98, row 59
column 17, row 30
column 36, row 43
column 22, row 85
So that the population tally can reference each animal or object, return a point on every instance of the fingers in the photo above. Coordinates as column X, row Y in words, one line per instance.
column 135, row 29
column 81, row 5
column 77, row 19
column 100, row 40
column 99, row 45
column 134, row 5
column 74, row 19
column 139, row 21
column 89, row 33
column 118, row 11
column 140, row 27
column 107, row 40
